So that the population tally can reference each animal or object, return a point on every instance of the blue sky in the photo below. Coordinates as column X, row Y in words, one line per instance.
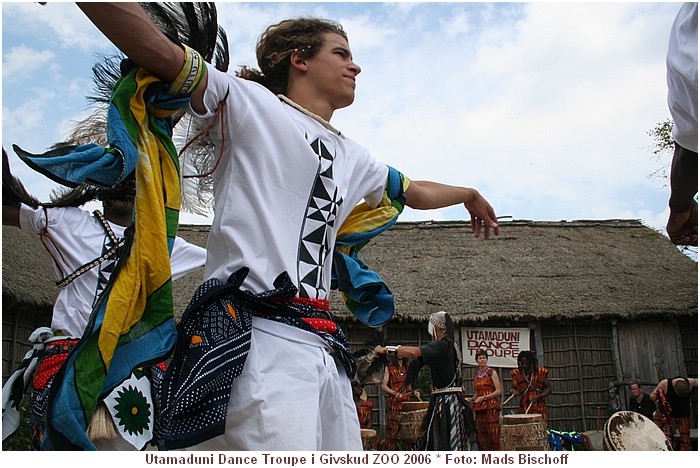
column 543, row 107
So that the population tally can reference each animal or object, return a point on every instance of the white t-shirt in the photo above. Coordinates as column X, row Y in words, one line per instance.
column 282, row 189
column 70, row 251
column 682, row 76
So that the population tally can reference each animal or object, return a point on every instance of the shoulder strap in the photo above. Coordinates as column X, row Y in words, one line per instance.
column 118, row 243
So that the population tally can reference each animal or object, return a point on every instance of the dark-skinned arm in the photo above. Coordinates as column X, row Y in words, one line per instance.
column 129, row 27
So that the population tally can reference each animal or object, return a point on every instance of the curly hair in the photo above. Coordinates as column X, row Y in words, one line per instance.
column 277, row 44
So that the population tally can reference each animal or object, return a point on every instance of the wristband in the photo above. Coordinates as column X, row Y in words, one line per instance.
column 190, row 75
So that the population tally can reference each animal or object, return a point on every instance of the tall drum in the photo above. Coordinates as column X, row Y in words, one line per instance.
column 524, row 432
column 369, row 439
column 412, row 415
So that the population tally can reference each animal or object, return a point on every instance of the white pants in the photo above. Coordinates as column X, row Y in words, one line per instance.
column 291, row 395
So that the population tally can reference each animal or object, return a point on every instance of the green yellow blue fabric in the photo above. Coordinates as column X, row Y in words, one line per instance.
column 362, row 289
column 132, row 324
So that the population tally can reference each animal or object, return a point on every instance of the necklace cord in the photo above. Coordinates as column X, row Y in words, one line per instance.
column 308, row 113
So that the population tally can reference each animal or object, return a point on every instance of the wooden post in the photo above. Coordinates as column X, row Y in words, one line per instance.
column 580, row 379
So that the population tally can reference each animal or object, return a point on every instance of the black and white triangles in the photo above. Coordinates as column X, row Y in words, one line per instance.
column 105, row 268
column 317, row 232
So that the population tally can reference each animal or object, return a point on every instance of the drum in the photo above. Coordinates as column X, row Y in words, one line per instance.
column 409, row 406
column 412, row 414
column 369, row 439
column 524, row 432
column 630, row 431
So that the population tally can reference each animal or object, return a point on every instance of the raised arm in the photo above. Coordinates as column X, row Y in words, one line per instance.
column 400, row 351
column 427, row 195
column 682, row 225
column 10, row 207
column 128, row 26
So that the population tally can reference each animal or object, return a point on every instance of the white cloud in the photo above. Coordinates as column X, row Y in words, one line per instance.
column 26, row 118
column 64, row 19
column 21, row 60
column 543, row 107
column 557, row 109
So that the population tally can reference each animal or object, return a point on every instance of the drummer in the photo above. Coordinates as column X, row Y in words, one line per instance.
column 531, row 382
column 363, row 405
column 673, row 399
column 397, row 391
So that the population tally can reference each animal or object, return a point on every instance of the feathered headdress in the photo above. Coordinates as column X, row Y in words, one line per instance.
column 131, row 325
column 194, row 24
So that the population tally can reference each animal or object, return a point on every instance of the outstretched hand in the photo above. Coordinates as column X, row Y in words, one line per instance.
column 428, row 195
column 482, row 216
column 682, row 227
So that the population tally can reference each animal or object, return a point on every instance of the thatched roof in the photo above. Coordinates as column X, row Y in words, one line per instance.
column 27, row 273
column 533, row 271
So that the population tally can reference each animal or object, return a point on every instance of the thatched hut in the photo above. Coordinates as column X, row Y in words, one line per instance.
column 605, row 302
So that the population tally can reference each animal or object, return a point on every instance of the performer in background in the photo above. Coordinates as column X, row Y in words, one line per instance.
column 673, row 399
column 364, row 406
column 486, row 404
column 640, row 401
column 397, row 391
column 531, row 382
column 449, row 422
column 84, row 247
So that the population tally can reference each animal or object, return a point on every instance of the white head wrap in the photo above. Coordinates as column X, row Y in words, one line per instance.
column 437, row 320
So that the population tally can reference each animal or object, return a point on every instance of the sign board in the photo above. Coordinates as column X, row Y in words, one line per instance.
column 501, row 344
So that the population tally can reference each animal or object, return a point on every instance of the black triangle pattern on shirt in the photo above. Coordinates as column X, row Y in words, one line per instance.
column 317, row 233
column 105, row 269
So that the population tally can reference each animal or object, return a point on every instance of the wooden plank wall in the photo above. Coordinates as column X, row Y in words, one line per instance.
column 18, row 322
column 584, row 359
column 581, row 366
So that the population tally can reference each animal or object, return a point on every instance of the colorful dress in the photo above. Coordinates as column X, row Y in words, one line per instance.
column 486, row 413
column 528, row 386
column 364, row 414
column 397, row 378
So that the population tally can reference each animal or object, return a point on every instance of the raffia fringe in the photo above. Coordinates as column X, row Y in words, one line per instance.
column 101, row 426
